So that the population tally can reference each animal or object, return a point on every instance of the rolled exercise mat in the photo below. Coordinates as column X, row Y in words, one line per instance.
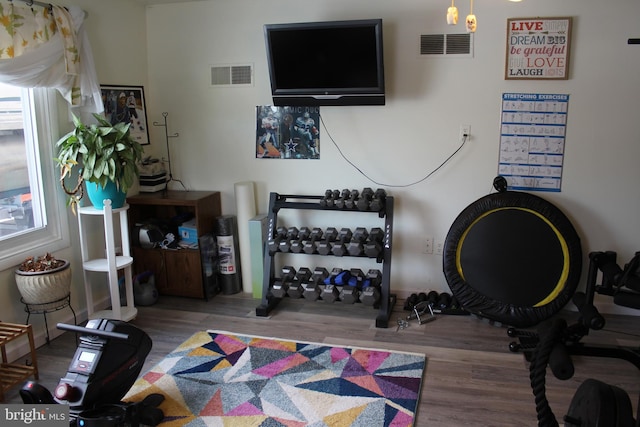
column 258, row 229
column 228, row 260
column 246, row 209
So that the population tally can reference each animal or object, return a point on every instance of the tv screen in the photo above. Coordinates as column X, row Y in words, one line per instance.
column 326, row 63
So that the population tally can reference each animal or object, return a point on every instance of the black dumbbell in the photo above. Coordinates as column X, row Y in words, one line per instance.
column 298, row 244
column 378, row 201
column 339, row 246
column 411, row 302
column 296, row 287
column 374, row 243
column 444, row 301
column 344, row 196
column 330, row 292
column 360, row 234
column 274, row 242
column 364, row 200
column 370, row 295
column 350, row 203
column 350, row 293
column 331, row 201
column 422, row 297
column 279, row 288
column 357, row 276
column 312, row 288
column 375, row 276
column 281, row 285
column 432, row 298
column 331, row 233
column 371, row 288
column 356, row 245
column 377, row 234
column 285, row 243
column 309, row 245
column 327, row 196
column 323, row 247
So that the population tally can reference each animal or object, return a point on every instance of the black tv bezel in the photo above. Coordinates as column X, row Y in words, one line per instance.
column 324, row 96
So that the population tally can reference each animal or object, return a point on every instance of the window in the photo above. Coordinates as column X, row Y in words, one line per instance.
column 30, row 202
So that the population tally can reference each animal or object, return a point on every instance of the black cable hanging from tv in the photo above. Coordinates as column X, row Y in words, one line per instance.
column 167, row 136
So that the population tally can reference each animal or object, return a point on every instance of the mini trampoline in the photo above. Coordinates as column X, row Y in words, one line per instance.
column 512, row 257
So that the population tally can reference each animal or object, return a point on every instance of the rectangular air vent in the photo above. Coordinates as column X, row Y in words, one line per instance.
column 457, row 45
column 232, row 75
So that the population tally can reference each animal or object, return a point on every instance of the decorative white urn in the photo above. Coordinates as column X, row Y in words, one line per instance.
column 42, row 287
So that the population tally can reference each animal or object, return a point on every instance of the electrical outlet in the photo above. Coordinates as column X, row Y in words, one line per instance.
column 465, row 133
column 439, row 248
column 428, row 245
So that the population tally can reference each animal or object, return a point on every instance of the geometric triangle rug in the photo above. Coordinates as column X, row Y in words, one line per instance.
column 218, row 378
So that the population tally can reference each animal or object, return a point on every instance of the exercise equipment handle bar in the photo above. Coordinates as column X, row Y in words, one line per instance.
column 90, row 331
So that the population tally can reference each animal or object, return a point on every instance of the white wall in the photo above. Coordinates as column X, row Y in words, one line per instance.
column 427, row 100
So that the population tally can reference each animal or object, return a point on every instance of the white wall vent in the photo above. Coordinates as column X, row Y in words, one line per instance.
column 456, row 45
column 232, row 75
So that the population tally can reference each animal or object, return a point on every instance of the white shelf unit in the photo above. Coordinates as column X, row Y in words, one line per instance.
column 111, row 264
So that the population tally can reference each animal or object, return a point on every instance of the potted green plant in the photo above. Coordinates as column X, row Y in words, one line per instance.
column 43, row 279
column 107, row 157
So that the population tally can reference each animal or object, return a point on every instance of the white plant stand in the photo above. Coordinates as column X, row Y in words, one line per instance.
column 110, row 265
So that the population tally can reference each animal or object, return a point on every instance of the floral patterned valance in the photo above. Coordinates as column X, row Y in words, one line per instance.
column 47, row 47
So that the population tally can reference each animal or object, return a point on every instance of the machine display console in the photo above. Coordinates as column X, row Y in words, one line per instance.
column 85, row 361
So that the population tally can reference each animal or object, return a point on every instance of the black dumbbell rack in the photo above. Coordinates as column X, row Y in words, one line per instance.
column 280, row 201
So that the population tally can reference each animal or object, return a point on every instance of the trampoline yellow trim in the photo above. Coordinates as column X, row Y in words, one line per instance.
column 563, row 244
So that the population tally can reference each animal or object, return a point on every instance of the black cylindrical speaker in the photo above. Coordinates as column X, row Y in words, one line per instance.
column 229, row 276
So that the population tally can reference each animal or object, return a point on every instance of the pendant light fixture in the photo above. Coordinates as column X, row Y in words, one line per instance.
column 471, row 22
column 452, row 14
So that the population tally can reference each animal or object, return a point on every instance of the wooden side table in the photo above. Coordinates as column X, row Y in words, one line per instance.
column 13, row 373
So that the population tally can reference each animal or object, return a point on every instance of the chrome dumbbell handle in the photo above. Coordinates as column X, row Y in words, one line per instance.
column 423, row 312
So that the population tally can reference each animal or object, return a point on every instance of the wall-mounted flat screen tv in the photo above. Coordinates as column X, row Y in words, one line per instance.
column 326, row 63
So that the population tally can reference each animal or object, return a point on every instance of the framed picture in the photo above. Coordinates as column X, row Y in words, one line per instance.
column 538, row 48
column 126, row 104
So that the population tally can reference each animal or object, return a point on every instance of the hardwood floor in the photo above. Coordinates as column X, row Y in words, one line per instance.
column 472, row 378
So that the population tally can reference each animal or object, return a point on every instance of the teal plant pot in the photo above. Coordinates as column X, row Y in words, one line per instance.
column 97, row 195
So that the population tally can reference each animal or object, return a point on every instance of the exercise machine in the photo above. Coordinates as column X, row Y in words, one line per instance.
column 494, row 251
column 107, row 362
column 595, row 403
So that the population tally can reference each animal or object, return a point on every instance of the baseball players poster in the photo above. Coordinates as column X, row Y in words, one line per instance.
column 287, row 132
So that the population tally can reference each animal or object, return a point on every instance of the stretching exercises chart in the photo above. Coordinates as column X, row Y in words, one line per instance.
column 532, row 137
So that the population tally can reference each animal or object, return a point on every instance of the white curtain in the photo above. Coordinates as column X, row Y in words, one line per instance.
column 48, row 47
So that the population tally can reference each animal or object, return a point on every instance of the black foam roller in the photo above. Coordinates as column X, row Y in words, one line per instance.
column 228, row 254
